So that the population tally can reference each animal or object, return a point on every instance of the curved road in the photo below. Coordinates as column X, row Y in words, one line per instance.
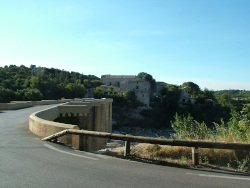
column 26, row 161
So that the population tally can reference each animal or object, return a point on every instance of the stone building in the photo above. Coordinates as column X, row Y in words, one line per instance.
column 185, row 98
column 115, row 80
column 122, row 83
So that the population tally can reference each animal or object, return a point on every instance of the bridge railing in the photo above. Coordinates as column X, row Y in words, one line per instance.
column 195, row 144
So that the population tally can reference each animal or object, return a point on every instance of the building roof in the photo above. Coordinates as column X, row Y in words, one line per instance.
column 119, row 76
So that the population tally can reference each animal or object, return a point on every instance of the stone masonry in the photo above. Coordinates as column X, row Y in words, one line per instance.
column 122, row 83
column 93, row 115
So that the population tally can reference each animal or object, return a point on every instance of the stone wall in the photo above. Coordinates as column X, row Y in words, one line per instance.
column 24, row 104
column 15, row 105
column 41, row 123
column 122, row 83
column 115, row 80
column 141, row 87
column 93, row 115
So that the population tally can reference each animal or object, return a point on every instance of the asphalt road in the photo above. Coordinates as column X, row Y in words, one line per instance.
column 26, row 161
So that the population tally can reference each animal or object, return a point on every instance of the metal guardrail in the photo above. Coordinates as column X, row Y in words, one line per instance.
column 195, row 144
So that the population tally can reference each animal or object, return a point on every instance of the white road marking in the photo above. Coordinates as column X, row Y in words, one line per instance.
column 76, row 155
column 214, row 176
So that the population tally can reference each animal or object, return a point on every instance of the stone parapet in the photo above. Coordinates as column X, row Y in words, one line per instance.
column 45, row 102
column 15, row 105
column 93, row 115
column 24, row 104
column 41, row 124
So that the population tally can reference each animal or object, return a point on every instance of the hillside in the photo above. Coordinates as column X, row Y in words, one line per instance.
column 233, row 93
column 36, row 83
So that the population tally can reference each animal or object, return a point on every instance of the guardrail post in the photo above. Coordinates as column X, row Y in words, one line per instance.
column 127, row 148
column 195, row 155
column 81, row 142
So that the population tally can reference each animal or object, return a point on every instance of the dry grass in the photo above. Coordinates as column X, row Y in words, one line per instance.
column 229, row 159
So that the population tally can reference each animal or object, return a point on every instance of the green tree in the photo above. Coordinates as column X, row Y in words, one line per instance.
column 171, row 97
column 111, row 90
column 225, row 100
column 6, row 95
column 75, row 90
column 8, row 83
column 33, row 95
column 208, row 94
column 34, row 82
column 192, row 88
column 52, row 83
column 149, row 78
column 96, row 83
column 98, row 92
column 130, row 96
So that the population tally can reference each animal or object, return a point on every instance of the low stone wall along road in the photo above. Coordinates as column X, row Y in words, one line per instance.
column 28, row 162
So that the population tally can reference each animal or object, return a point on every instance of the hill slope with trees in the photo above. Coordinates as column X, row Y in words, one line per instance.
column 241, row 94
column 36, row 83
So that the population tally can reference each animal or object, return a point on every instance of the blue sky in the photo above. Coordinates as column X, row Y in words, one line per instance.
column 203, row 41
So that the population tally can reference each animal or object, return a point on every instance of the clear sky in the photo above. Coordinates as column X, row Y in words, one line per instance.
column 203, row 41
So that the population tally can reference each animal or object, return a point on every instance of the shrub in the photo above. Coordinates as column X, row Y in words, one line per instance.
column 238, row 127
column 188, row 128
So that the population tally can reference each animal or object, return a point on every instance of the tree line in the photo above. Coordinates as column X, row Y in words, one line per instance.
column 234, row 93
column 37, row 83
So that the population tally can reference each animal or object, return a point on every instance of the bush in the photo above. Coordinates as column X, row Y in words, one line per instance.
column 237, row 129
column 6, row 95
column 188, row 128
column 33, row 95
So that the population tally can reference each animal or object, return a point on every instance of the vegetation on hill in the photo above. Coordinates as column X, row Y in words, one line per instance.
column 239, row 94
column 36, row 83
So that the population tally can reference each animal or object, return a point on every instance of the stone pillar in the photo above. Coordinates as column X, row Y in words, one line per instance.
column 106, row 126
column 83, row 124
column 101, row 142
column 90, row 126
column 110, row 117
column 97, row 117
column 83, row 121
